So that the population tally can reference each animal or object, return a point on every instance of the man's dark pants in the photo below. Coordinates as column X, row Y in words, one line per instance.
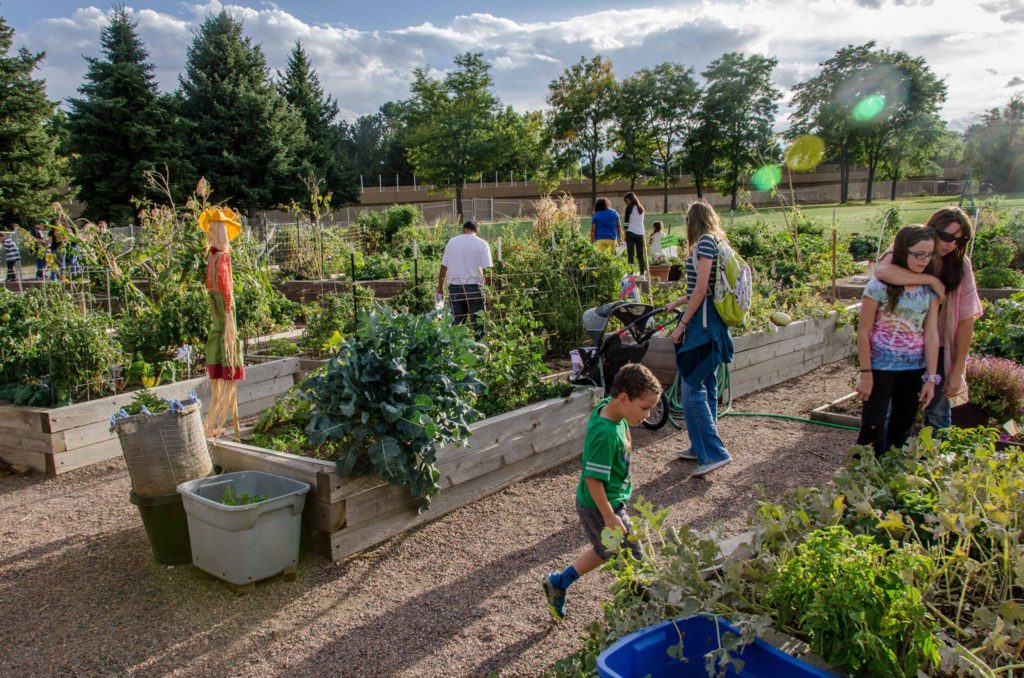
column 466, row 302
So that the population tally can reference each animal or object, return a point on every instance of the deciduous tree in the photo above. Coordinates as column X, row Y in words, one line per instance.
column 452, row 124
column 582, row 102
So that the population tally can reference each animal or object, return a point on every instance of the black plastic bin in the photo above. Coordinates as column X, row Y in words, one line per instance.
column 166, row 526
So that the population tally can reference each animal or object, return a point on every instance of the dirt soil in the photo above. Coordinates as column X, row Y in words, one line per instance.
column 80, row 594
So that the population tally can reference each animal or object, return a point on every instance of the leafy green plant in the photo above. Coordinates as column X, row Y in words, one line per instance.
column 860, row 603
column 996, row 277
column 862, row 247
column 281, row 348
column 1000, row 331
column 382, row 266
column 335, row 313
column 231, row 498
column 399, row 388
column 54, row 351
column 146, row 398
column 512, row 364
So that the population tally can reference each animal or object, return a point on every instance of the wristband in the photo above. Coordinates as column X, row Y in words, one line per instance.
column 933, row 378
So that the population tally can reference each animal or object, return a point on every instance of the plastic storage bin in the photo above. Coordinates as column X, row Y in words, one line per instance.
column 243, row 544
column 645, row 653
column 166, row 527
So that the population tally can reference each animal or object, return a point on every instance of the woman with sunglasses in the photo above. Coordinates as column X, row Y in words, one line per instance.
column 952, row 278
column 898, row 345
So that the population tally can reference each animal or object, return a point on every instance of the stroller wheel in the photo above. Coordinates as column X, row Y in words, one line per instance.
column 658, row 416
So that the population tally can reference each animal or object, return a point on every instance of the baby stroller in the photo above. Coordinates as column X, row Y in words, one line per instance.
column 605, row 358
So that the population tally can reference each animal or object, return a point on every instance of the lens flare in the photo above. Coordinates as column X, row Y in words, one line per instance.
column 869, row 107
column 767, row 177
column 805, row 153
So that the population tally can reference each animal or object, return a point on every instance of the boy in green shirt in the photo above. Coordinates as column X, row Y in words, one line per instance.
column 606, row 484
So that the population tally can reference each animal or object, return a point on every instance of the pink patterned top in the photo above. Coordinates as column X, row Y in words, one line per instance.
column 964, row 304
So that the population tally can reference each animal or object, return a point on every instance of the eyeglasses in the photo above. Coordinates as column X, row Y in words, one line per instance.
column 923, row 256
column 949, row 237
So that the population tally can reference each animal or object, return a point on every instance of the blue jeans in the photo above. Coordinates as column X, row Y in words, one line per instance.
column 939, row 414
column 700, row 408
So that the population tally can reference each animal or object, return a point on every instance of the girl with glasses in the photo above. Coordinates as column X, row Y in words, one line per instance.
column 898, row 345
column 952, row 278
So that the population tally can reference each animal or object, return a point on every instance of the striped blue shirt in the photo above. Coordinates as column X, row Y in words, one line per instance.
column 11, row 252
column 707, row 248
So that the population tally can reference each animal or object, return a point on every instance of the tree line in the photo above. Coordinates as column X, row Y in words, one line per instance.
column 261, row 138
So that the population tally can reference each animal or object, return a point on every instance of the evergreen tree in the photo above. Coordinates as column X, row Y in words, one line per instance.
column 31, row 175
column 120, row 128
column 325, row 156
column 244, row 137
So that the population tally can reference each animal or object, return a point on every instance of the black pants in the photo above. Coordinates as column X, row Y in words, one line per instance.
column 635, row 243
column 11, row 269
column 901, row 390
column 466, row 302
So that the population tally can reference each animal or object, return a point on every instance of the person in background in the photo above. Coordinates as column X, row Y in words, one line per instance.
column 634, row 217
column 656, row 234
column 463, row 266
column 56, row 250
column 12, row 255
column 605, row 231
column 39, row 245
column 101, row 226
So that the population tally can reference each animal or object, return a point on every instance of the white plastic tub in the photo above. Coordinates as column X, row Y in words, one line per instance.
column 243, row 544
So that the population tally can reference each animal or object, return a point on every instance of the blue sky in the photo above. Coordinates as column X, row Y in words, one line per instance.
column 365, row 52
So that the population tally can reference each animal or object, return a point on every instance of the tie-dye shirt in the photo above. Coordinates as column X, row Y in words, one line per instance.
column 897, row 338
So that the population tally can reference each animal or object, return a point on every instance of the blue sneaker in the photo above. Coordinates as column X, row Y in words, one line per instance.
column 705, row 469
column 555, row 595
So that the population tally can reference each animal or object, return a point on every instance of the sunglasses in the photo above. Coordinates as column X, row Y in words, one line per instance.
column 949, row 237
column 923, row 256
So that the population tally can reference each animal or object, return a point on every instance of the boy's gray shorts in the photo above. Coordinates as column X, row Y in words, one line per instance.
column 593, row 523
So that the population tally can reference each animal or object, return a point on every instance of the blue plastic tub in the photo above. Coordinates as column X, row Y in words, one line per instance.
column 645, row 653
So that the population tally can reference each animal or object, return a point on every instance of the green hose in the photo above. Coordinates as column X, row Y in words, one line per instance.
column 675, row 405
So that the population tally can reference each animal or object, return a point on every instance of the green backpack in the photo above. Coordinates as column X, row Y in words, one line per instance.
column 732, row 286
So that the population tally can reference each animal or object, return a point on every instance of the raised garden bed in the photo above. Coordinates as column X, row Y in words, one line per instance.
column 58, row 440
column 304, row 291
column 346, row 515
column 765, row 359
column 852, row 287
column 845, row 411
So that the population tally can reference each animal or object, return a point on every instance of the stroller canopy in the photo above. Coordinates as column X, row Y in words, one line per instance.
column 595, row 320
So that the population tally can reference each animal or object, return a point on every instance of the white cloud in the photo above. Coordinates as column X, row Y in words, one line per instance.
column 363, row 68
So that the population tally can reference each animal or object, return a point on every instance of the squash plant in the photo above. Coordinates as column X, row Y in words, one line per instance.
column 399, row 388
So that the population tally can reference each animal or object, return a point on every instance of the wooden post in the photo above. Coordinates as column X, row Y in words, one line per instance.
column 835, row 288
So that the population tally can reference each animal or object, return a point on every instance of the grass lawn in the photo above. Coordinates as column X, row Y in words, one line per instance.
column 853, row 217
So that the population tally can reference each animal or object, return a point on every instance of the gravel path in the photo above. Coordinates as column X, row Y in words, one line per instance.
column 80, row 595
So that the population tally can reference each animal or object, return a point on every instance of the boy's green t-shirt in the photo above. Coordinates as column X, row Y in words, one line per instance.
column 606, row 451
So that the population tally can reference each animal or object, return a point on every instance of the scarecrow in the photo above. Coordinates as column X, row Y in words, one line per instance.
column 223, row 349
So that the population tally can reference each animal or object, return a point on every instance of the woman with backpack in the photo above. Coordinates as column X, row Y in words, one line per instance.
column 702, row 340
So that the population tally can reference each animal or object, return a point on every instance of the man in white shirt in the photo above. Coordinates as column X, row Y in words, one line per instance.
column 465, row 258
